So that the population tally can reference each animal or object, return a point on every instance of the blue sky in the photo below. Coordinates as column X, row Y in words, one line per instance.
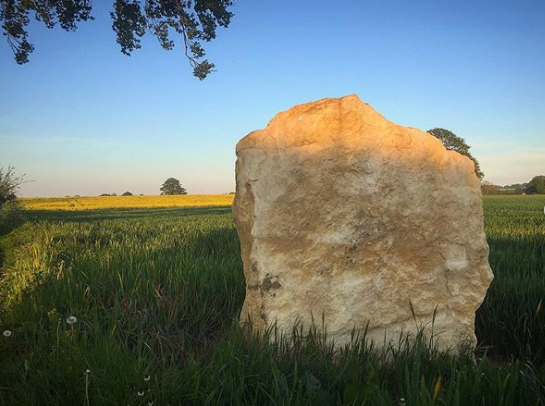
column 82, row 118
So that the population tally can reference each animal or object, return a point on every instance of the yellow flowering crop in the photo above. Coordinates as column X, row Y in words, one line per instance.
column 115, row 202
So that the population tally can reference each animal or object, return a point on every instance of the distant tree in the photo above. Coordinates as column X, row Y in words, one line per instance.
column 519, row 186
column 454, row 143
column 105, row 194
column 127, row 194
column 172, row 187
column 488, row 188
column 194, row 21
column 536, row 185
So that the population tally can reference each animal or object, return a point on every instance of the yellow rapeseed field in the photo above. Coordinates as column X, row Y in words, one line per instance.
column 128, row 202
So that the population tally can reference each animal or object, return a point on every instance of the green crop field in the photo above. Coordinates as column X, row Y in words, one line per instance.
column 140, row 307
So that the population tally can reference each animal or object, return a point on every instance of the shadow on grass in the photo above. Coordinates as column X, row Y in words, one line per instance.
column 122, row 214
column 509, row 322
column 157, row 314
column 193, row 287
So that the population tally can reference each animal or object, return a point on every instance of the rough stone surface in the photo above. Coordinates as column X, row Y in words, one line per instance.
column 345, row 215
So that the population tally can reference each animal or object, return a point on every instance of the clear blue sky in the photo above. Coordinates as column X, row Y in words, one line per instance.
column 82, row 118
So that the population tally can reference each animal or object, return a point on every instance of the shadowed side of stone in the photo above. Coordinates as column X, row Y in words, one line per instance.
column 344, row 214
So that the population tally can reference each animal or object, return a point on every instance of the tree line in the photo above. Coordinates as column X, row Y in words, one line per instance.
column 535, row 186
column 171, row 186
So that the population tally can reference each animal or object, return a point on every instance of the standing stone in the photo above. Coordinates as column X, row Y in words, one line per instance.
column 345, row 215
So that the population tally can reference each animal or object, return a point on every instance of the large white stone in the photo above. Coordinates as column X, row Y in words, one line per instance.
column 345, row 215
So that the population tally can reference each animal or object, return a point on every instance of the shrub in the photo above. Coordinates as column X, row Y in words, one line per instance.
column 11, row 216
column 10, row 212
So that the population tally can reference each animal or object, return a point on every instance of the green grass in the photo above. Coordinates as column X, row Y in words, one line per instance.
column 157, row 293
column 512, row 317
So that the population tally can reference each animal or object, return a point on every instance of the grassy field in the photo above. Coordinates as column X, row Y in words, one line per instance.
column 126, row 202
column 139, row 306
